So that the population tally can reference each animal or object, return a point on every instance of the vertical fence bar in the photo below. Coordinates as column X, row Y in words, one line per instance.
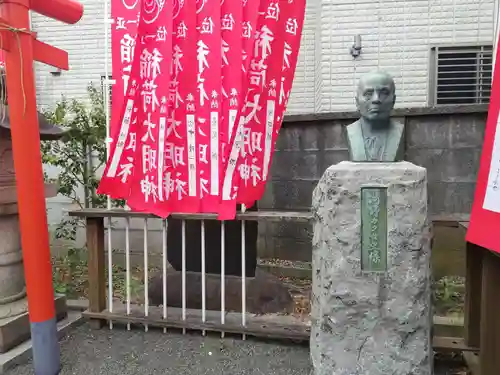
column 183, row 272
column 146, row 276
column 203, row 281
column 110, row 272
column 243, row 274
column 222, row 274
column 164, row 269
column 127, row 265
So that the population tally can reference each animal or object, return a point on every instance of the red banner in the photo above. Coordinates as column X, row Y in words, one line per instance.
column 155, row 37
column 270, row 75
column 125, row 15
column 131, row 172
column 485, row 216
column 2, row 61
column 194, row 134
column 181, row 178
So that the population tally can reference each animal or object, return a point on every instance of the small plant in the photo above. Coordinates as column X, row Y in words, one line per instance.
column 449, row 294
column 79, row 155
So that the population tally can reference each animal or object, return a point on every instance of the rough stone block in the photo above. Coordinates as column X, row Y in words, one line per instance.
column 371, row 323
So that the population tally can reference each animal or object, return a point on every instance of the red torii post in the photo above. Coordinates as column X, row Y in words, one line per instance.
column 22, row 49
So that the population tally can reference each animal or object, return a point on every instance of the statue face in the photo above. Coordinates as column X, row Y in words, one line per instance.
column 376, row 97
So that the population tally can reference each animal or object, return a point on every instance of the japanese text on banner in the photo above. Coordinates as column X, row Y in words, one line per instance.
column 209, row 102
column 147, row 192
column 247, row 172
column 125, row 16
column 275, row 96
column 180, row 172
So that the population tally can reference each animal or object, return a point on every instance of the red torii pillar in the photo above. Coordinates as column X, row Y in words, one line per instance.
column 22, row 49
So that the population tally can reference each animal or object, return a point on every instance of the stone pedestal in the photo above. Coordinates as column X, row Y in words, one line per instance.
column 371, row 303
column 14, row 320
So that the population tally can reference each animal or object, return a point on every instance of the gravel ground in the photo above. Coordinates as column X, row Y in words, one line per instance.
column 120, row 352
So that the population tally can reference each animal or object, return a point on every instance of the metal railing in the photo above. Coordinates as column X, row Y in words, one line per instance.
column 102, row 306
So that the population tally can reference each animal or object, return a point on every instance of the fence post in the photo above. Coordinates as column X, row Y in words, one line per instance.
column 490, row 311
column 473, row 282
column 96, row 271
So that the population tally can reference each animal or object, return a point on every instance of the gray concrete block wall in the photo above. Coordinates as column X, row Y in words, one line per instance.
column 446, row 141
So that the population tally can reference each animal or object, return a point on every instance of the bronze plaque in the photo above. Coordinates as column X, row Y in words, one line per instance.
column 374, row 229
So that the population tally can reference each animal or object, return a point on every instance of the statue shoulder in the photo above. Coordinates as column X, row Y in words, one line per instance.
column 353, row 129
column 397, row 127
column 397, row 124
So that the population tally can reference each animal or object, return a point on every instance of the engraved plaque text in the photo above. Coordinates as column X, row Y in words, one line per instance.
column 374, row 229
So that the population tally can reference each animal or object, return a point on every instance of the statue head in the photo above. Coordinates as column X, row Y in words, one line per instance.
column 375, row 98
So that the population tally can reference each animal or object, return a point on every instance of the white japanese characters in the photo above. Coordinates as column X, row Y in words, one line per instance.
column 187, row 101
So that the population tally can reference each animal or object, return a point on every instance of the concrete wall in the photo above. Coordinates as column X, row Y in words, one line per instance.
column 446, row 141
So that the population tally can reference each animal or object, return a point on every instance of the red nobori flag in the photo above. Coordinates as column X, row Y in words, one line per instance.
column 232, row 77
column 250, row 16
column 185, row 102
column 248, row 164
column 485, row 216
column 278, row 88
column 155, row 40
column 209, row 126
column 122, row 164
column 180, row 170
column 125, row 15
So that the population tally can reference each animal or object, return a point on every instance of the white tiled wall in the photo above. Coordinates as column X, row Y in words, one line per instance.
column 396, row 36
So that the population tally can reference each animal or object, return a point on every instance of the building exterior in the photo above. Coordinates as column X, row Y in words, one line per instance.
column 439, row 52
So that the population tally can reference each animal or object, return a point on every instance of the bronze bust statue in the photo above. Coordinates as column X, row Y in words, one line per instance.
column 375, row 137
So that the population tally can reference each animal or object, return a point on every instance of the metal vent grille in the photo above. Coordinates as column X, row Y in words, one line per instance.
column 462, row 75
